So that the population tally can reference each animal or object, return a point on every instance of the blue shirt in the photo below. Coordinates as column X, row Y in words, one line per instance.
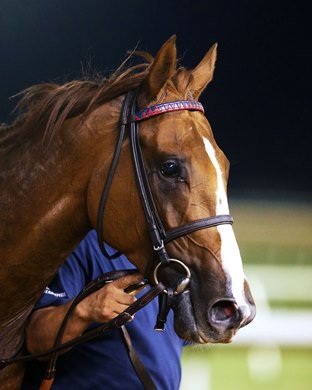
column 104, row 363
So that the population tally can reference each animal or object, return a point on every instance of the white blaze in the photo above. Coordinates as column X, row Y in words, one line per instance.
column 230, row 256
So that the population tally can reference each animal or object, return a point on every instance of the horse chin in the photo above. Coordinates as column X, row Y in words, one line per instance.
column 191, row 329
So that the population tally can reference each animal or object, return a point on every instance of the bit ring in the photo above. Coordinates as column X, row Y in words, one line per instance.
column 184, row 283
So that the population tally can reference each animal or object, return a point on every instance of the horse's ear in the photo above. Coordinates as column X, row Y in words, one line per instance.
column 203, row 73
column 161, row 70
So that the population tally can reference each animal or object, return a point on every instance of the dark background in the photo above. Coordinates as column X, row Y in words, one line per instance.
column 259, row 103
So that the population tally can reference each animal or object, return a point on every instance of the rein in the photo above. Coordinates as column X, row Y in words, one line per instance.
column 118, row 321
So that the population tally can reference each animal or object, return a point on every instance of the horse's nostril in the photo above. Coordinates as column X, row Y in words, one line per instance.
column 224, row 310
column 225, row 314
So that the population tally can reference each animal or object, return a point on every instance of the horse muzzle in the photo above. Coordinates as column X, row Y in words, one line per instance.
column 214, row 322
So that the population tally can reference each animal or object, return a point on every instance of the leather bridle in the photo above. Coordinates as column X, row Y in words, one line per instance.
column 159, row 236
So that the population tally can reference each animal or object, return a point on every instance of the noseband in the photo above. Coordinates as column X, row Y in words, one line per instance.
column 159, row 236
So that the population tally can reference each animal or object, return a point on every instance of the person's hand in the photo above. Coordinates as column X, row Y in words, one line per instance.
column 109, row 301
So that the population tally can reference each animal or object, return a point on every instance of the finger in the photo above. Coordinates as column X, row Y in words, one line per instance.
column 131, row 318
column 123, row 298
column 114, row 312
column 134, row 289
column 127, row 281
column 110, row 293
column 119, row 308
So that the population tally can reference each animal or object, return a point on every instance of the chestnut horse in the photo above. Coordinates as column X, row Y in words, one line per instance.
column 54, row 160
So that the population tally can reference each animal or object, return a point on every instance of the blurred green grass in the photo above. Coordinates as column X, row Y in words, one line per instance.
column 235, row 368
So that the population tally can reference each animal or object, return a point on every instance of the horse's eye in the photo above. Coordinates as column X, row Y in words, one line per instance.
column 170, row 169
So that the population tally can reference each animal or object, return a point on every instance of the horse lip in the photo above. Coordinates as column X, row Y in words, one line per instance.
column 213, row 338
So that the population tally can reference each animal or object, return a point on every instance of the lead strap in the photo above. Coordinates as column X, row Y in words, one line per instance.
column 137, row 363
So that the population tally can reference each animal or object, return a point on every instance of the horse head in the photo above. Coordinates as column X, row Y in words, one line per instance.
column 187, row 173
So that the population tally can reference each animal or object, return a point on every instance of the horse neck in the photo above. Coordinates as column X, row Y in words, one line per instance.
column 45, row 216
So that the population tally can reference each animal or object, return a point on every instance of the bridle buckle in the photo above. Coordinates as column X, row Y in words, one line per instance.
column 159, row 247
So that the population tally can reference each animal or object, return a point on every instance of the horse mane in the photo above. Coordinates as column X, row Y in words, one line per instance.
column 43, row 108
